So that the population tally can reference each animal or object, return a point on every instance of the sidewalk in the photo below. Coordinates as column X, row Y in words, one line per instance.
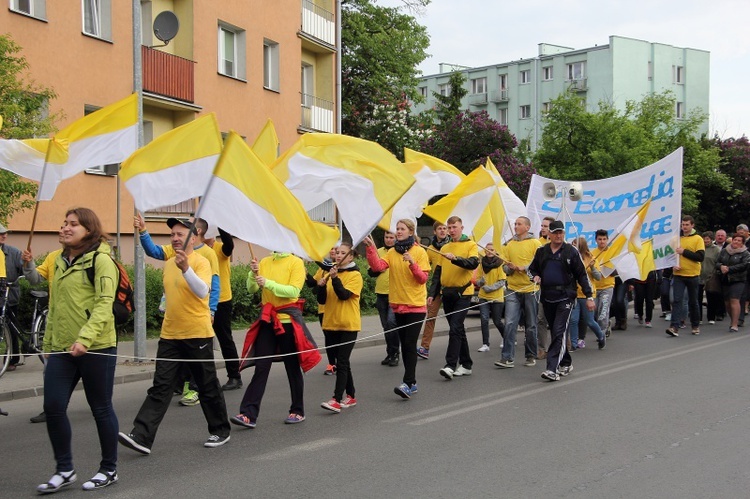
column 26, row 380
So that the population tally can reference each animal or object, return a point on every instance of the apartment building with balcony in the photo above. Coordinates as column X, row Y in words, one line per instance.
column 518, row 93
column 245, row 61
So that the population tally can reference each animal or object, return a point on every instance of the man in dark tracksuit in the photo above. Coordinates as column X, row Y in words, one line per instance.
column 557, row 267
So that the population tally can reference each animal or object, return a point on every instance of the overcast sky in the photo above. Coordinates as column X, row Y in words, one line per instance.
column 485, row 32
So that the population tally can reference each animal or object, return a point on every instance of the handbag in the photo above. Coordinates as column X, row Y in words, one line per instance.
column 713, row 285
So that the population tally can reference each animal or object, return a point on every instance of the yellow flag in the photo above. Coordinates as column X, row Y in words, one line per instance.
column 266, row 145
column 467, row 201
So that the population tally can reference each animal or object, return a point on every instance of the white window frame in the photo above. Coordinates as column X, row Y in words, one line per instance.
column 524, row 76
column 547, row 73
column 238, row 47
column 678, row 75
column 100, row 23
column 502, row 81
column 271, row 72
column 524, row 112
column 572, row 74
column 502, row 116
column 444, row 89
column 479, row 85
column 34, row 8
column 423, row 92
column 307, row 84
column 679, row 110
column 546, row 107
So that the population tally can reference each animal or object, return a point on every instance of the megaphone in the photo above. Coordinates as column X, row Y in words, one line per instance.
column 575, row 191
column 550, row 191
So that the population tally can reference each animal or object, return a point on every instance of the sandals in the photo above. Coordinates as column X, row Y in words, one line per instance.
column 57, row 482
column 101, row 480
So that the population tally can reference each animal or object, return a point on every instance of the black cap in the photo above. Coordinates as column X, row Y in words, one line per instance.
column 556, row 225
column 171, row 222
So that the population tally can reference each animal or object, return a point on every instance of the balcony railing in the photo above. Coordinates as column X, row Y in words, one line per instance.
column 317, row 114
column 499, row 96
column 168, row 75
column 478, row 99
column 578, row 85
column 318, row 22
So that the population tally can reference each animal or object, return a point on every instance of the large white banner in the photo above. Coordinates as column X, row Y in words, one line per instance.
column 606, row 203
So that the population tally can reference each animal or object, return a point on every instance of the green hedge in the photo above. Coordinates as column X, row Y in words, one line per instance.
column 245, row 306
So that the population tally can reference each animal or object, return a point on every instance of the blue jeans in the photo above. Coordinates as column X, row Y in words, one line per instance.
column 581, row 312
column 680, row 285
column 515, row 303
column 388, row 322
column 60, row 379
column 493, row 309
column 603, row 302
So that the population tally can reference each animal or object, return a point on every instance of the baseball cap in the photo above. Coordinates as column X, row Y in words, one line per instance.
column 556, row 225
column 3, row 230
column 171, row 222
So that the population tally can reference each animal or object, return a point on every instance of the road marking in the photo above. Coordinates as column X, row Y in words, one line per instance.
column 527, row 390
column 295, row 450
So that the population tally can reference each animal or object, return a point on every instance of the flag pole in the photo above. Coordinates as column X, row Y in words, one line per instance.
column 39, row 193
column 252, row 253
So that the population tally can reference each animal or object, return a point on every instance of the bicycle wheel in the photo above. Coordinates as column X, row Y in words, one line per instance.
column 37, row 334
column 5, row 348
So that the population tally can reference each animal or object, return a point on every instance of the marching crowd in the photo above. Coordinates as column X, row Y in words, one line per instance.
column 576, row 291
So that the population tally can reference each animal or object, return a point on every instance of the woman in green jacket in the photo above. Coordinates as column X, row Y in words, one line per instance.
column 80, row 325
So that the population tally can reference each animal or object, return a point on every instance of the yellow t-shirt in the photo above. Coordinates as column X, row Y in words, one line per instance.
column 287, row 270
column 490, row 278
column 381, row 282
column 47, row 268
column 543, row 240
column 225, row 272
column 203, row 250
column 344, row 315
column 689, row 268
column 318, row 276
column 186, row 316
column 605, row 282
column 520, row 253
column 594, row 283
column 453, row 275
column 403, row 288
column 3, row 274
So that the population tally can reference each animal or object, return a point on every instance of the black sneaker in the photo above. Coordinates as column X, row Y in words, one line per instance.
column 232, row 384
column 129, row 441
column 216, row 441
column 39, row 418
column 394, row 360
column 602, row 343
column 386, row 361
column 672, row 331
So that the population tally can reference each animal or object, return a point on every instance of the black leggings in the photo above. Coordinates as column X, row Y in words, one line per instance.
column 409, row 325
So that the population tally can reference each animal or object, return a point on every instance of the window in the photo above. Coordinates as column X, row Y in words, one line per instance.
column 547, row 72
column 444, row 89
column 577, row 71
column 678, row 73
column 546, row 107
column 111, row 170
column 231, row 51
column 423, row 92
column 503, row 81
column 33, row 8
column 502, row 116
column 525, row 112
column 97, row 18
column 650, row 70
column 479, row 86
column 271, row 65
column 525, row 76
column 680, row 110
column 308, row 86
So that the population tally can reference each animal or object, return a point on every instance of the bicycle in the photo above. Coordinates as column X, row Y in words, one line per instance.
column 30, row 342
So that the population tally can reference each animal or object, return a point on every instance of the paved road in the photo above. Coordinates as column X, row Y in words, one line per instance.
column 650, row 416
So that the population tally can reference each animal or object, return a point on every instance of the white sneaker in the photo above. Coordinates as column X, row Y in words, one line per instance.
column 484, row 348
column 462, row 371
column 447, row 373
column 712, row 322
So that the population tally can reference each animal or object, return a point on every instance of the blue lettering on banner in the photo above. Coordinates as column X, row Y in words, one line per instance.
column 633, row 199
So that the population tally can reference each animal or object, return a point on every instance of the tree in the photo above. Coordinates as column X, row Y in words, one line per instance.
column 23, row 106
column 725, row 208
column 381, row 49
column 580, row 145
column 448, row 106
column 466, row 140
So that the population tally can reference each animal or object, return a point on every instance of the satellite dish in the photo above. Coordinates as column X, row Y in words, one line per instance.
column 575, row 191
column 550, row 191
column 166, row 26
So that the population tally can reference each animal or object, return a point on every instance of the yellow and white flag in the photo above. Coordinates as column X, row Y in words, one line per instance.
column 27, row 157
column 432, row 176
column 106, row 136
column 266, row 145
column 248, row 201
column 362, row 178
column 467, row 201
column 628, row 241
column 175, row 166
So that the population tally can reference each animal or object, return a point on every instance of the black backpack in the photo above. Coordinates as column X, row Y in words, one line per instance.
column 124, row 304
